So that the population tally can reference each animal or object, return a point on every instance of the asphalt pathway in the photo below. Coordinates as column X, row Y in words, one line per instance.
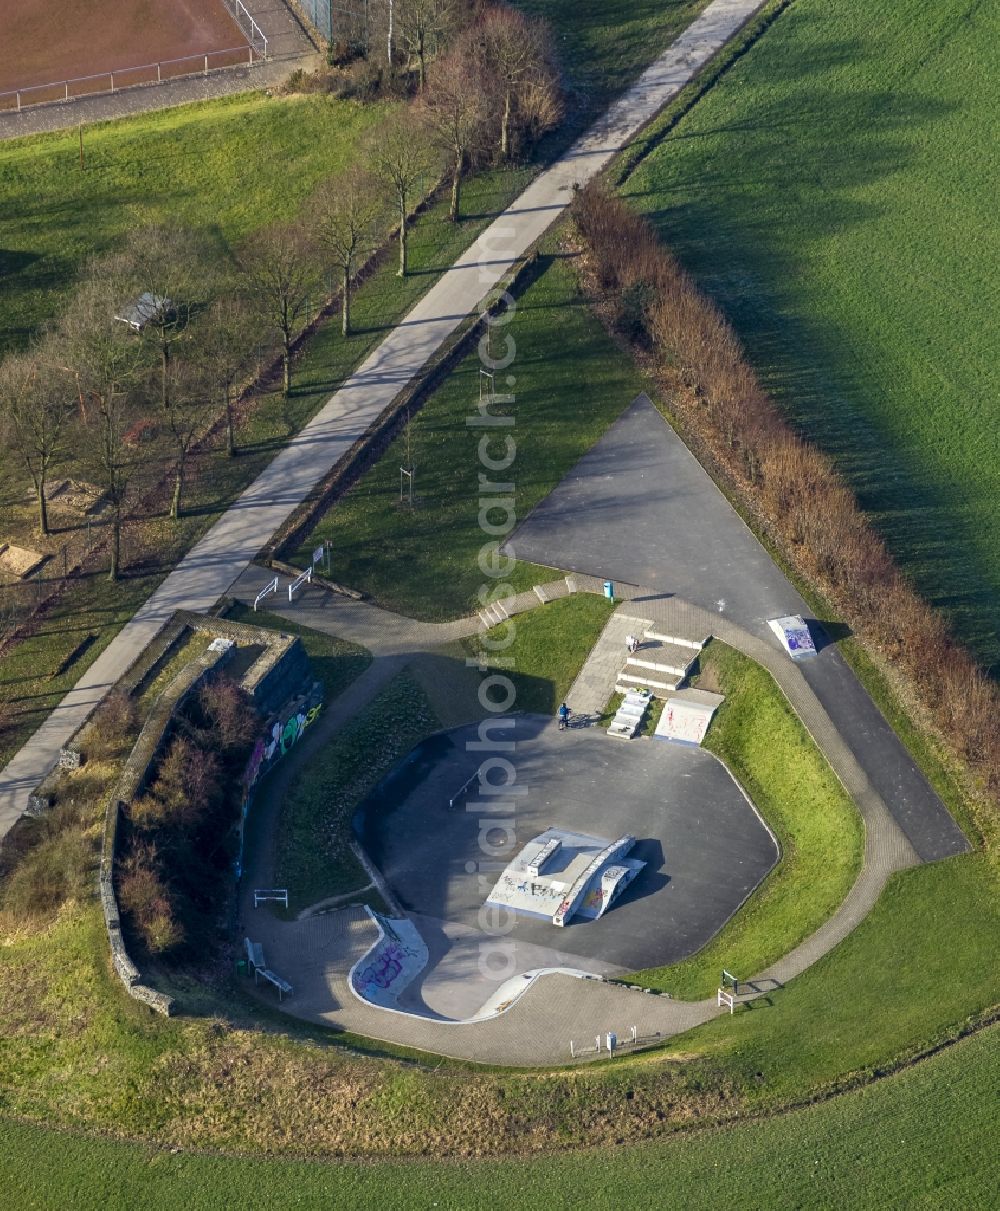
column 220, row 557
column 639, row 508
column 316, row 953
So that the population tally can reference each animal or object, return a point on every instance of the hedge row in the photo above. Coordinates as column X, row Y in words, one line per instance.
column 793, row 488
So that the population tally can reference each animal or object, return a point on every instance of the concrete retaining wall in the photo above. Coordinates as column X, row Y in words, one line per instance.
column 280, row 674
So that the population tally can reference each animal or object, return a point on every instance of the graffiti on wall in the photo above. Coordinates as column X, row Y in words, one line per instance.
column 269, row 749
column 282, row 736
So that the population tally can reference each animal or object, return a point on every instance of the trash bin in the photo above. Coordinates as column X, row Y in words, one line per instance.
column 609, row 589
column 241, row 967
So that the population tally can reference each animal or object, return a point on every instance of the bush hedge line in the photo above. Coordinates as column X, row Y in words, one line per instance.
column 792, row 487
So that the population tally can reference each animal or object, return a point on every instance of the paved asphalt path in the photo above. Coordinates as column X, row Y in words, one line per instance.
column 639, row 508
column 704, row 845
column 224, row 552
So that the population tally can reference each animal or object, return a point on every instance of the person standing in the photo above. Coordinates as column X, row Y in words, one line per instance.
column 563, row 717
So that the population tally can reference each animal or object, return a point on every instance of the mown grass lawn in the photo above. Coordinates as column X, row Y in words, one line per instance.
column 834, row 193
column 762, row 741
column 570, row 384
column 910, row 974
column 922, row 1138
column 545, row 649
column 603, row 45
column 230, row 165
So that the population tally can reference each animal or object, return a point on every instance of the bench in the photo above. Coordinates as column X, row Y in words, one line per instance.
column 283, row 986
column 255, row 955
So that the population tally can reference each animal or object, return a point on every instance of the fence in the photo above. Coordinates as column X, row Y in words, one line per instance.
column 320, row 14
column 131, row 77
column 249, row 27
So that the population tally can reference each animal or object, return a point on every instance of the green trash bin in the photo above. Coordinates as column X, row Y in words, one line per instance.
column 241, row 967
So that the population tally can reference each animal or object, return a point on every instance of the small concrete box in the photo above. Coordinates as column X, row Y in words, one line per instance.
column 535, row 863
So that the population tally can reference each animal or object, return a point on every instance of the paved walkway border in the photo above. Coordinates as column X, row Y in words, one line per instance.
column 536, row 1028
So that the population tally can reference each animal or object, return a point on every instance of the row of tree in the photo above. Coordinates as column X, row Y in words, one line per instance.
column 75, row 396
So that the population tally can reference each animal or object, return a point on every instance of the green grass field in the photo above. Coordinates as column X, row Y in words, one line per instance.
column 571, row 383
column 923, row 1138
column 821, row 835
column 548, row 649
column 603, row 45
column 833, row 193
column 230, row 165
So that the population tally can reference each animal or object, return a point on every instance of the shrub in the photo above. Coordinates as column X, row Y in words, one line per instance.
column 143, row 895
column 229, row 713
column 51, row 873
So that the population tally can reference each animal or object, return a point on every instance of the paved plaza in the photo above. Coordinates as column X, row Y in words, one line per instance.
column 704, row 847
column 639, row 508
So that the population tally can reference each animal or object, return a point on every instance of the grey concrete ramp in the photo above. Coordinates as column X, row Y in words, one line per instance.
column 639, row 508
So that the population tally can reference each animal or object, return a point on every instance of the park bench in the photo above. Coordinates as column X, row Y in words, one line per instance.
column 255, row 955
column 283, row 986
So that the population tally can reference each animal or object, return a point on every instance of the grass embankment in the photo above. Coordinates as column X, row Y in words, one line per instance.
column 313, row 858
column 881, row 359
column 604, row 45
column 761, row 739
column 923, row 1138
column 547, row 649
column 571, row 383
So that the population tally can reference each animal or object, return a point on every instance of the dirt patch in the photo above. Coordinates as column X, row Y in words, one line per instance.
column 20, row 561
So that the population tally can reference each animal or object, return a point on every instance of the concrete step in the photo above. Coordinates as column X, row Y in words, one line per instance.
column 678, row 640
column 552, row 590
column 626, row 680
column 663, row 657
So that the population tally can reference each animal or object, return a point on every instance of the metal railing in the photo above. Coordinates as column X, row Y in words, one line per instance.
column 243, row 18
column 122, row 78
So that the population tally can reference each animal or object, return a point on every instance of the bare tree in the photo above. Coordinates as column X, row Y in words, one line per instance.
column 402, row 159
column 280, row 269
column 517, row 58
column 423, row 27
column 105, row 359
column 175, row 266
column 186, row 412
column 228, row 332
column 455, row 111
column 348, row 210
column 36, row 401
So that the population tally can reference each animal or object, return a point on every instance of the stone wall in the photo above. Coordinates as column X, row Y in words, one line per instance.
column 279, row 678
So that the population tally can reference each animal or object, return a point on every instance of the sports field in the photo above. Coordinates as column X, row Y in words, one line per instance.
column 43, row 43
column 835, row 192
